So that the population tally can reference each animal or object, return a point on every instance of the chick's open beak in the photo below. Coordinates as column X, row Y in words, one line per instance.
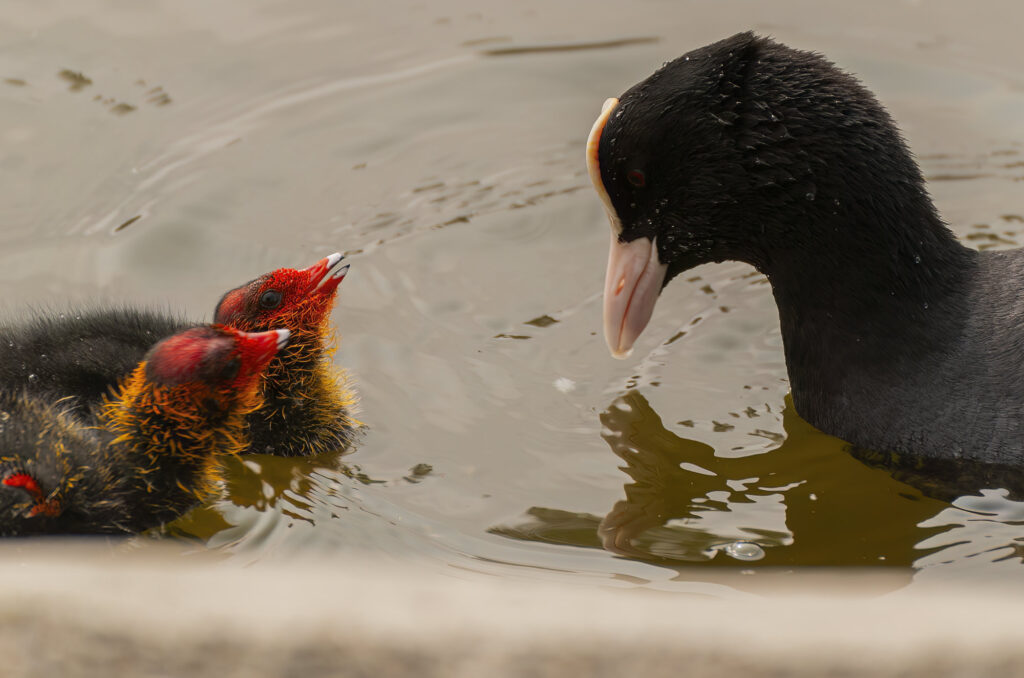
column 326, row 274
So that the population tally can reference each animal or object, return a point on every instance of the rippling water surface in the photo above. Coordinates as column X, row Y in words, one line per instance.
column 165, row 152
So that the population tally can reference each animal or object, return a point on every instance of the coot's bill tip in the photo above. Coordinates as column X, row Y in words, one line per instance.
column 623, row 354
column 633, row 282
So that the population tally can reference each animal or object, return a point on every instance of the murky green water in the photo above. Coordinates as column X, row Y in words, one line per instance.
column 162, row 153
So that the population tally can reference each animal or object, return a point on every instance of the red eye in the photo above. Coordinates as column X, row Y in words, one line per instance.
column 637, row 178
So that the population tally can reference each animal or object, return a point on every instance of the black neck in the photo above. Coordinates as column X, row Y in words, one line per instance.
column 871, row 311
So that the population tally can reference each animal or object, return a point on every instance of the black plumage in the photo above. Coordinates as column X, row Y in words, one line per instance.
column 897, row 337
column 79, row 355
column 48, row 468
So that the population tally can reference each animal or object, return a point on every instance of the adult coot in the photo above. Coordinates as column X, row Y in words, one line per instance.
column 156, row 450
column 897, row 337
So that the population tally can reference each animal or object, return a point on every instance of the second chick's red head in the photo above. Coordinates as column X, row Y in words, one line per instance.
column 298, row 299
column 213, row 360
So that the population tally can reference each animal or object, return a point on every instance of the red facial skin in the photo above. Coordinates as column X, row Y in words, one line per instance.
column 184, row 373
column 306, row 297
column 201, row 355
column 43, row 505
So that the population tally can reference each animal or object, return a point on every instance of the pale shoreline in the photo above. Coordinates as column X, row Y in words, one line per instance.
column 74, row 610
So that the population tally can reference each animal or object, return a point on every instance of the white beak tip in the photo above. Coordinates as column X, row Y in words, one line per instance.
column 622, row 354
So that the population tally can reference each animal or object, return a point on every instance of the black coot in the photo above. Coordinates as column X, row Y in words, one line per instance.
column 897, row 337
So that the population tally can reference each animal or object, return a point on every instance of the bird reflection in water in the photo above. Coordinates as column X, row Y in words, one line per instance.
column 807, row 502
column 264, row 482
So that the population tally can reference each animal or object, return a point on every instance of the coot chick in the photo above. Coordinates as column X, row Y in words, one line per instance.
column 81, row 354
column 308, row 403
column 156, row 450
column 897, row 337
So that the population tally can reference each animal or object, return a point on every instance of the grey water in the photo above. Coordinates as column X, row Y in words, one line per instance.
column 162, row 153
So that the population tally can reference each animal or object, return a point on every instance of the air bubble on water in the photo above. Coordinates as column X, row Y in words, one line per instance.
column 743, row 550
column 33, row 377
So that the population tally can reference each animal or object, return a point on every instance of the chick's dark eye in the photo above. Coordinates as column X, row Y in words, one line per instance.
column 637, row 178
column 270, row 299
column 230, row 370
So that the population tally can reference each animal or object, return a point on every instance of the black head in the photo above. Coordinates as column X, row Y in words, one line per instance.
column 744, row 150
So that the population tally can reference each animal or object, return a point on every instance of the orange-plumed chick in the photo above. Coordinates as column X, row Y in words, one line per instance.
column 308, row 403
column 155, row 450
